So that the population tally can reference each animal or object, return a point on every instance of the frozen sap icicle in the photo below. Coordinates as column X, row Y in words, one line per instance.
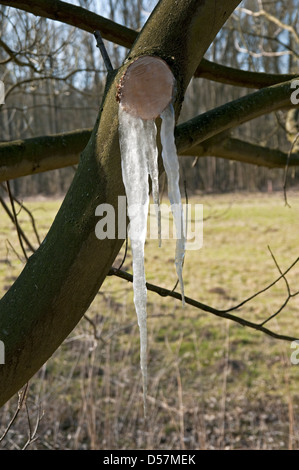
column 171, row 165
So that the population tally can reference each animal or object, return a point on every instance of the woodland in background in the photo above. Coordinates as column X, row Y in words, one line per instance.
column 54, row 78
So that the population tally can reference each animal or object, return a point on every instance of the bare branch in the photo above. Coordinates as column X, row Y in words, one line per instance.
column 16, row 222
column 14, row 57
column 289, row 296
column 21, row 234
column 273, row 19
column 44, row 153
column 206, row 308
column 236, row 77
column 76, row 16
column 32, row 219
column 21, row 400
column 241, row 151
column 46, row 77
column 97, row 336
column 233, row 114
column 101, row 46
column 39, row 154
column 32, row 437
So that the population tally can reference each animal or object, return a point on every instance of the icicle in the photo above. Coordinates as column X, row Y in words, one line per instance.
column 171, row 165
column 146, row 88
column 139, row 158
column 152, row 161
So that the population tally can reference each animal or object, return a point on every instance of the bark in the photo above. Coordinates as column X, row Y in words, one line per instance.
column 38, row 154
column 61, row 279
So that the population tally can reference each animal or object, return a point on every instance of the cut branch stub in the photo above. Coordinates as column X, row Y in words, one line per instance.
column 146, row 88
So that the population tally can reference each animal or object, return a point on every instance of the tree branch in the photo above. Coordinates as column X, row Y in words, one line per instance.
column 38, row 154
column 274, row 20
column 29, row 156
column 14, row 56
column 76, row 16
column 237, row 77
column 232, row 114
column 46, row 77
column 241, row 151
column 206, row 308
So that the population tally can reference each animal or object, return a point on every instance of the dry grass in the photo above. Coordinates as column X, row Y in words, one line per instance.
column 212, row 384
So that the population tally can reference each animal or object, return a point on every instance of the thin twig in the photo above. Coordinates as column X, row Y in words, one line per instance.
column 12, row 218
column 22, row 206
column 194, row 163
column 206, row 308
column 32, row 433
column 101, row 46
column 16, row 219
column 261, row 291
column 289, row 297
column 14, row 251
column 280, row 271
column 97, row 336
column 21, row 400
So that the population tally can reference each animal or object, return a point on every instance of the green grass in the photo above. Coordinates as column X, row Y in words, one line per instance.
column 231, row 387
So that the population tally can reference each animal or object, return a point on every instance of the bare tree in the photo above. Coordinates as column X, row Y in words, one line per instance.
column 61, row 279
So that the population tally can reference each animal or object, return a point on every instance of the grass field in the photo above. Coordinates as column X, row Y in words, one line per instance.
column 213, row 384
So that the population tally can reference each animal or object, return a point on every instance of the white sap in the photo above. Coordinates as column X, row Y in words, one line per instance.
column 139, row 159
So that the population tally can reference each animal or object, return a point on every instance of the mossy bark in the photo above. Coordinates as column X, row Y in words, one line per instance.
column 30, row 156
column 61, row 279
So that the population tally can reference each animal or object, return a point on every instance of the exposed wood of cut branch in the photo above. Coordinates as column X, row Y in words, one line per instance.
column 146, row 88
